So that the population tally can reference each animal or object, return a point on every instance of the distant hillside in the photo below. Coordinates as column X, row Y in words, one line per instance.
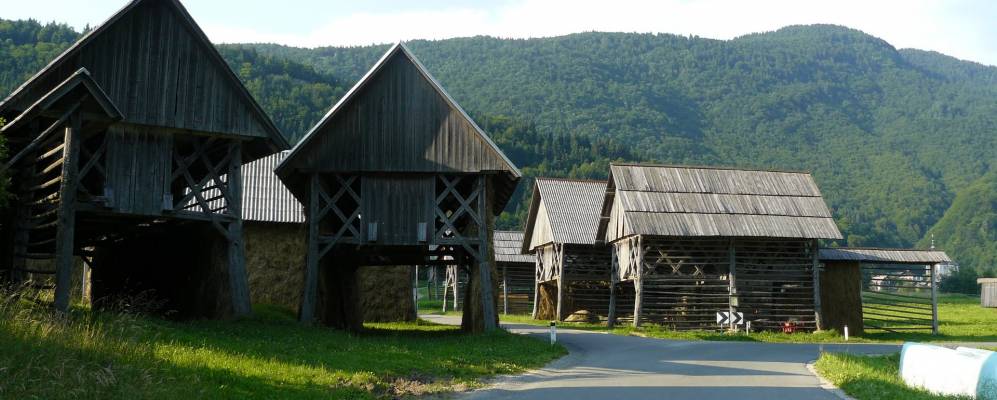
column 890, row 135
column 969, row 228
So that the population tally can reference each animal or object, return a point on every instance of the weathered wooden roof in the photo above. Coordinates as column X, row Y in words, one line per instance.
column 663, row 200
column 563, row 211
column 159, row 68
column 398, row 119
column 884, row 256
column 508, row 247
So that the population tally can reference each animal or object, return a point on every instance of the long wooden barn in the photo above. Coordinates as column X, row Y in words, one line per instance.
column 572, row 270
column 394, row 170
column 517, row 273
column 114, row 146
column 695, row 241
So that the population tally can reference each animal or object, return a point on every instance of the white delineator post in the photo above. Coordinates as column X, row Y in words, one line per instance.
column 553, row 332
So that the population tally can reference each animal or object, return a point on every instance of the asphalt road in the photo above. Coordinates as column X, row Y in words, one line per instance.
column 603, row 366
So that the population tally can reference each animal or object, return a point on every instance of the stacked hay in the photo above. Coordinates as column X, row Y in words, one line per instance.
column 275, row 259
column 386, row 293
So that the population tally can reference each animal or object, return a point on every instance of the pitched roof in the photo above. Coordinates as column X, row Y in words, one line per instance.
column 884, row 256
column 397, row 118
column 150, row 36
column 663, row 200
column 508, row 246
column 563, row 211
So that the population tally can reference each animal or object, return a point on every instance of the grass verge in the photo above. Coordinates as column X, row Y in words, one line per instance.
column 961, row 319
column 121, row 355
column 870, row 377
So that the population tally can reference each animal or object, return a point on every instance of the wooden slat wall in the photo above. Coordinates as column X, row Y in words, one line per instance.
column 399, row 122
column 155, row 70
column 684, row 282
column 775, row 282
column 518, row 280
column 540, row 232
column 138, row 162
column 393, row 203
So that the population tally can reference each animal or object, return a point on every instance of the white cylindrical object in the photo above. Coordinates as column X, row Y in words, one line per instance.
column 846, row 333
column 747, row 327
column 553, row 332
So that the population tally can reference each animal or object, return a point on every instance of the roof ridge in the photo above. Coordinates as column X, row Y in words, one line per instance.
column 712, row 167
column 579, row 180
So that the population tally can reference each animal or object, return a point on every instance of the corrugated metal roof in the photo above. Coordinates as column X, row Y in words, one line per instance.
column 572, row 208
column 264, row 196
column 705, row 201
column 508, row 247
column 884, row 256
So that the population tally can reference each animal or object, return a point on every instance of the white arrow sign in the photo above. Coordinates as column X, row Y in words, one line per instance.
column 724, row 318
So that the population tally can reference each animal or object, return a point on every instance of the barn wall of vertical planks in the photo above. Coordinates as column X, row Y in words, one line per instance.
column 116, row 145
column 572, row 271
column 694, row 241
column 397, row 174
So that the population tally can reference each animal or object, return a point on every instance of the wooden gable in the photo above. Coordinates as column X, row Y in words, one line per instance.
column 398, row 119
column 159, row 68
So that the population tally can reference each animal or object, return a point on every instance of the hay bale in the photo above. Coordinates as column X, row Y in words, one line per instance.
column 386, row 293
column 547, row 301
column 275, row 262
column 582, row 316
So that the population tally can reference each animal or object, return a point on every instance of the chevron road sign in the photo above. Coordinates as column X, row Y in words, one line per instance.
column 724, row 318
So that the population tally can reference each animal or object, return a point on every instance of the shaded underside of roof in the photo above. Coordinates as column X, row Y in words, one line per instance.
column 703, row 201
column 572, row 208
column 884, row 256
column 508, row 246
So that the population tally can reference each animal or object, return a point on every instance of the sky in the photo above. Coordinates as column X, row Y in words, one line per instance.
column 966, row 29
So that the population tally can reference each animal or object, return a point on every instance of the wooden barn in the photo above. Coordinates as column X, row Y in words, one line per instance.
column 695, row 241
column 114, row 146
column 572, row 270
column 517, row 273
column 894, row 290
column 397, row 174
column 275, row 236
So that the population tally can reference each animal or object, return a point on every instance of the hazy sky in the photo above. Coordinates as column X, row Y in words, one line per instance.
column 965, row 29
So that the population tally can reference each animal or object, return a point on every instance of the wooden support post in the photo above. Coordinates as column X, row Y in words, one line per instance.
column 559, row 316
column 415, row 290
column 934, row 299
column 309, row 297
column 536, row 282
column 611, row 319
column 485, row 255
column 732, row 283
column 638, row 295
column 505, row 290
column 66, row 226
column 446, row 287
column 237, row 276
column 815, row 255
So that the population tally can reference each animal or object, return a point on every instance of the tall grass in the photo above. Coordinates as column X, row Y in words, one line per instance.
column 123, row 354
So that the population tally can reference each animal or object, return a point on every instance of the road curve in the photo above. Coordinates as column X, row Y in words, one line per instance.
column 603, row 366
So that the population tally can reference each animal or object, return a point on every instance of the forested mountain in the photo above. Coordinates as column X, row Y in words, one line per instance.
column 892, row 136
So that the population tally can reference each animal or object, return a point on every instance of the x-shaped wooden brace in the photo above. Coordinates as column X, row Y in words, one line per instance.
column 196, row 188
column 93, row 162
column 449, row 222
column 329, row 204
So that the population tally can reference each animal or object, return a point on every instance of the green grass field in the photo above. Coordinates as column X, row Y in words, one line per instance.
column 118, row 356
column 961, row 319
column 870, row 377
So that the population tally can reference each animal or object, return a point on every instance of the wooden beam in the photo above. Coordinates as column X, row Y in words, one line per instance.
column 638, row 283
column 486, row 257
column 536, row 282
column 505, row 290
column 238, row 279
column 934, row 299
column 559, row 267
column 66, row 227
column 731, row 282
column 815, row 256
column 309, row 297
